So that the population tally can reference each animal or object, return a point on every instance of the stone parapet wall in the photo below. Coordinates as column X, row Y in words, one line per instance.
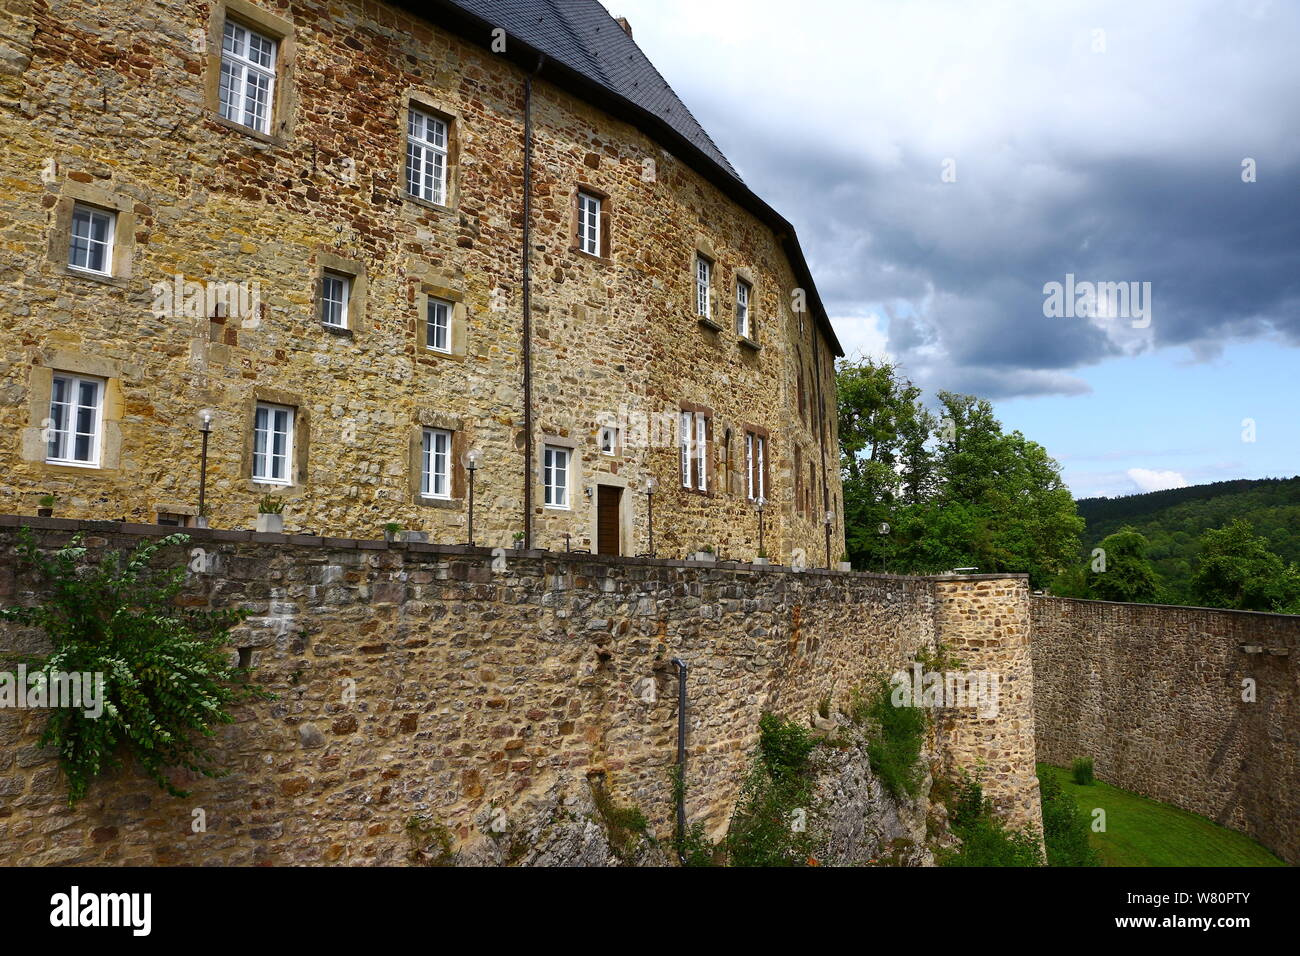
column 1154, row 695
column 486, row 686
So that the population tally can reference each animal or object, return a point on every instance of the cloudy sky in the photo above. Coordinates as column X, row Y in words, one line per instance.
column 944, row 161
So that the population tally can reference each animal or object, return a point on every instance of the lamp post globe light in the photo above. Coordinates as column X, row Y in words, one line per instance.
column 472, row 459
column 829, row 521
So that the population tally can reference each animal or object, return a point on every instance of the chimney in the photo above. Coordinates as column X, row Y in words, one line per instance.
column 627, row 27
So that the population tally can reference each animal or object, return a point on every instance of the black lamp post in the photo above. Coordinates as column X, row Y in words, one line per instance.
column 829, row 520
column 884, row 530
column 761, row 504
column 650, row 486
column 471, row 466
column 205, row 427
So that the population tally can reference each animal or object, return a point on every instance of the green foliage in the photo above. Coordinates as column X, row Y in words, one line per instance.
column 1173, row 522
column 772, row 823
column 1065, row 826
column 47, row 501
column 695, row 847
column 985, row 840
column 897, row 736
column 392, row 527
column 270, row 505
column 1235, row 569
column 1128, row 575
column 431, row 842
column 167, row 682
column 955, row 489
column 624, row 825
column 1082, row 771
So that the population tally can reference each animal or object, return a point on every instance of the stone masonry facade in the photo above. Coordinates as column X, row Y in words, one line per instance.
column 464, row 686
column 1190, row 706
column 113, row 107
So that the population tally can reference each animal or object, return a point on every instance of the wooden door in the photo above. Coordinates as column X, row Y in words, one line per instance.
column 608, row 509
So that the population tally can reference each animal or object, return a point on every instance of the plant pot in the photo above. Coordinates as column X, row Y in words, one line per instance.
column 844, row 566
column 45, row 512
column 392, row 537
column 200, row 521
column 762, row 562
column 270, row 524
column 703, row 556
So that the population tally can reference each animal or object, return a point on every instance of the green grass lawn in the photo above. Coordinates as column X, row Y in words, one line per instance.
column 1142, row 832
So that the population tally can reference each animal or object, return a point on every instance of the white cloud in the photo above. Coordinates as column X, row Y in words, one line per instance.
column 1148, row 480
column 863, row 335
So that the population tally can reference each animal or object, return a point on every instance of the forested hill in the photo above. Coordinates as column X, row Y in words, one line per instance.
column 1173, row 520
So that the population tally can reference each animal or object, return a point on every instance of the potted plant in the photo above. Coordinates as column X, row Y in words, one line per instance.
column 270, row 515
column 201, row 519
column 46, row 509
column 845, row 564
column 704, row 554
column 761, row 560
column 519, row 541
column 392, row 532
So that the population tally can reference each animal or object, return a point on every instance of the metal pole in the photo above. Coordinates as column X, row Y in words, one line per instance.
column 471, row 506
column 650, row 504
column 681, row 758
column 203, row 473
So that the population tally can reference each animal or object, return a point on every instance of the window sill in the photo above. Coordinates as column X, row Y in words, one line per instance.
column 750, row 344
column 103, row 278
column 446, row 504
column 340, row 330
column 602, row 260
column 708, row 323
column 79, row 465
column 267, row 138
column 428, row 204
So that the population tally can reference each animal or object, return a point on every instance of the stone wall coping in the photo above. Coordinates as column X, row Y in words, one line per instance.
column 424, row 547
column 1168, row 607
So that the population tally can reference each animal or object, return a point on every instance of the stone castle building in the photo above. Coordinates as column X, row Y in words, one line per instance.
column 357, row 242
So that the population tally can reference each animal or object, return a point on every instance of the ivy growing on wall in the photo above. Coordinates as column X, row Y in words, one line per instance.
column 167, row 682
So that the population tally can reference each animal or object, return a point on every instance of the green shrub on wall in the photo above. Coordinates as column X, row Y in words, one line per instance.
column 773, row 821
column 897, row 733
column 985, row 840
column 166, row 682
column 1082, row 771
column 1065, row 826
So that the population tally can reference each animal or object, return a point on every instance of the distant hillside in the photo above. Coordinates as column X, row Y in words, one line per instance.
column 1173, row 521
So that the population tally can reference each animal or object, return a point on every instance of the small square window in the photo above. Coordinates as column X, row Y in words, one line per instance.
column 609, row 440
column 76, row 421
column 703, row 282
column 435, row 472
column 437, row 335
column 743, row 294
column 273, row 444
column 91, row 244
column 555, row 476
column 589, row 237
column 334, row 291
column 426, row 157
column 247, row 77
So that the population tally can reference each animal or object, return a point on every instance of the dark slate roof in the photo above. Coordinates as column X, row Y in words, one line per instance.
column 582, row 35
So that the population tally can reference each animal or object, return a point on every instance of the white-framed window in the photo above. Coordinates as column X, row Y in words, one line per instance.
column 334, row 291
column 90, row 242
column 76, row 420
column 426, row 157
column 703, row 282
column 247, row 76
column 589, row 223
column 437, row 325
column 435, row 470
column 272, row 443
column 555, row 476
column 743, row 293
column 609, row 440
column 694, row 447
column 755, row 464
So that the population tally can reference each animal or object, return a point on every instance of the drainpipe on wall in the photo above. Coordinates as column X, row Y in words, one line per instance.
column 681, row 758
column 527, row 305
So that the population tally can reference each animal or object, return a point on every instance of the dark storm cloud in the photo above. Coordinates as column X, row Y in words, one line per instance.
column 1120, row 167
